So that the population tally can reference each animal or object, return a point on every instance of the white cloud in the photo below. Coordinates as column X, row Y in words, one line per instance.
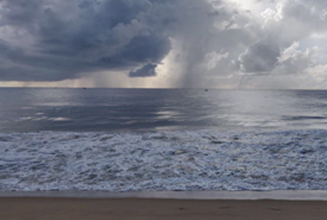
column 211, row 59
column 273, row 14
column 294, row 61
column 317, row 76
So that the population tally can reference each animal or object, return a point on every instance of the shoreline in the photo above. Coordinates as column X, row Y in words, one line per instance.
column 158, row 209
column 282, row 195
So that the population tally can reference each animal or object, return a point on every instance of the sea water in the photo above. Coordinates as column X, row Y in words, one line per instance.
column 143, row 140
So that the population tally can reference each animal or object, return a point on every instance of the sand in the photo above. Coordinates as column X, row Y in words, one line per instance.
column 144, row 209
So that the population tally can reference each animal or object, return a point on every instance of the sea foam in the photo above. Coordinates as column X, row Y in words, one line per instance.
column 173, row 160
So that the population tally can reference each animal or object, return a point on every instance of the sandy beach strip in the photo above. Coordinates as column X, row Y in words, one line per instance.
column 28, row 208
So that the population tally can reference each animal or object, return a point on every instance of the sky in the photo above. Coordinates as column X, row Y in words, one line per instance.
column 227, row 44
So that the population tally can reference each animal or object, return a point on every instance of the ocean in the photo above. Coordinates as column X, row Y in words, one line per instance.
column 120, row 140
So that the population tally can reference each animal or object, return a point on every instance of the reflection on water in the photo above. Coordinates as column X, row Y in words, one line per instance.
column 110, row 109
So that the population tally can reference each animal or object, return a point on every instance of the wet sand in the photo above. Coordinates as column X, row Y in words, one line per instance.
column 146, row 209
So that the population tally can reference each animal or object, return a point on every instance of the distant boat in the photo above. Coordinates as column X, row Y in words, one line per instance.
column 206, row 90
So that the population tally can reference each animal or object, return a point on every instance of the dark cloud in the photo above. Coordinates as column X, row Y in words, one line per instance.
column 145, row 71
column 20, row 12
column 7, row 51
column 77, row 37
column 140, row 49
column 260, row 57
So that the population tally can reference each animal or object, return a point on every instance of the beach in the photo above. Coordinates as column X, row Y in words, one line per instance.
column 113, row 154
column 143, row 209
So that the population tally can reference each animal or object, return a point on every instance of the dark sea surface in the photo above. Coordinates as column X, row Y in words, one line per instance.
column 157, row 140
column 129, row 109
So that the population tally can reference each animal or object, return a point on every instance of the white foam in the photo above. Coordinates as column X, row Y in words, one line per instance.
column 164, row 161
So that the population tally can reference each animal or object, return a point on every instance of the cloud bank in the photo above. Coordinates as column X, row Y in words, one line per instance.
column 209, row 43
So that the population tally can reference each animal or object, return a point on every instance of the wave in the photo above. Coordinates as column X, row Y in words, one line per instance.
column 164, row 161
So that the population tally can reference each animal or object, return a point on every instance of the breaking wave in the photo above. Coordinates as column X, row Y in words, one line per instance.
column 172, row 160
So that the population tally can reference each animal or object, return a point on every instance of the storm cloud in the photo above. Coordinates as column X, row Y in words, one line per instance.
column 76, row 37
column 200, row 42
